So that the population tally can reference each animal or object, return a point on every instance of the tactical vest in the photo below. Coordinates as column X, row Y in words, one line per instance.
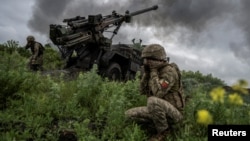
column 41, row 48
column 179, row 96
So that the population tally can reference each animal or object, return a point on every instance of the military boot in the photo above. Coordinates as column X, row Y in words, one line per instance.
column 160, row 136
column 67, row 135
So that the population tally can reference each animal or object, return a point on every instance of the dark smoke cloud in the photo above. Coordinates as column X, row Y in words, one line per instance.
column 190, row 13
column 243, row 20
column 46, row 12
column 194, row 15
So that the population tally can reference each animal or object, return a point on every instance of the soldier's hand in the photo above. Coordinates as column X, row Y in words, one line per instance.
column 154, row 64
column 146, row 69
column 33, row 61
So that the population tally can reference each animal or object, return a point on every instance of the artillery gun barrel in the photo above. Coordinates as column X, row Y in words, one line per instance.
column 144, row 10
column 78, row 25
column 73, row 23
column 74, row 19
column 74, row 39
column 77, row 41
column 81, row 30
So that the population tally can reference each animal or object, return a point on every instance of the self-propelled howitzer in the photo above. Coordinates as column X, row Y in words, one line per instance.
column 85, row 37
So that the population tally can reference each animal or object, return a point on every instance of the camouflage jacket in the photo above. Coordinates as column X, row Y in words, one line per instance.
column 164, row 83
column 36, row 49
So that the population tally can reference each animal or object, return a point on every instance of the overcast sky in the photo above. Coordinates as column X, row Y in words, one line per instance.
column 210, row 36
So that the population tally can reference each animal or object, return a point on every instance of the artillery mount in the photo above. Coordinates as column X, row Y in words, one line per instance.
column 82, row 43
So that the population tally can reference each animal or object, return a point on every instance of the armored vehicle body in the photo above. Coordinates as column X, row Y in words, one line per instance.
column 82, row 43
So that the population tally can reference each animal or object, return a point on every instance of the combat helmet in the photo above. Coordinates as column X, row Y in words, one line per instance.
column 30, row 38
column 154, row 51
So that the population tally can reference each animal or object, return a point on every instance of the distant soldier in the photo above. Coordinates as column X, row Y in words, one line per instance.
column 161, row 83
column 37, row 49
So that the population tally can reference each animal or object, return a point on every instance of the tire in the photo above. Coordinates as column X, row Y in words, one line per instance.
column 114, row 72
column 130, row 76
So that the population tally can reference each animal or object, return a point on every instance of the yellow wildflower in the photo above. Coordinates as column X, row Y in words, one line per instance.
column 217, row 94
column 235, row 99
column 243, row 83
column 204, row 117
column 240, row 87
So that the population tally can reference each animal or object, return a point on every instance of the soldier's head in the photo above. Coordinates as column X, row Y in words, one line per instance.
column 154, row 51
column 30, row 39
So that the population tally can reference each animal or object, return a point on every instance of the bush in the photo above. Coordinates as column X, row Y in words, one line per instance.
column 35, row 106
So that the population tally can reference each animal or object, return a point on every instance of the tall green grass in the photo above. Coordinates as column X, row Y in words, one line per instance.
column 35, row 106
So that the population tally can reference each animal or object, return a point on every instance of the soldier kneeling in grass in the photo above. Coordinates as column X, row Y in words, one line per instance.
column 161, row 83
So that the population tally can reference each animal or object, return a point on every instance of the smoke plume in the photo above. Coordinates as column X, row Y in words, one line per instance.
column 199, row 18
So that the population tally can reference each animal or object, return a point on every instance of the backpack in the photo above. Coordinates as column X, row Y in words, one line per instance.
column 41, row 48
column 174, row 65
column 181, row 91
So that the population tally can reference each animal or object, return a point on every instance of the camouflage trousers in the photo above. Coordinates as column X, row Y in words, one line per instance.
column 37, row 64
column 158, row 111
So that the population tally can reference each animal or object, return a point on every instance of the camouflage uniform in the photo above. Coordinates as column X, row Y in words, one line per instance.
column 162, row 85
column 36, row 60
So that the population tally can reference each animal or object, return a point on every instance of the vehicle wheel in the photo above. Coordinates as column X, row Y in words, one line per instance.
column 114, row 72
column 130, row 76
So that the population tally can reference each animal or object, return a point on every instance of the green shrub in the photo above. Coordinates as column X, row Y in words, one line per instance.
column 35, row 106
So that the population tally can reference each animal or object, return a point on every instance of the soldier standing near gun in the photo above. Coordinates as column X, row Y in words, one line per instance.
column 161, row 83
column 37, row 49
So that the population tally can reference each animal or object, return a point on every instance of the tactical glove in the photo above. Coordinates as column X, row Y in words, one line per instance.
column 146, row 69
column 154, row 64
column 33, row 61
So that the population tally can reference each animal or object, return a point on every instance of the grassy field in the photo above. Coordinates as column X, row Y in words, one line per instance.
column 38, row 107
